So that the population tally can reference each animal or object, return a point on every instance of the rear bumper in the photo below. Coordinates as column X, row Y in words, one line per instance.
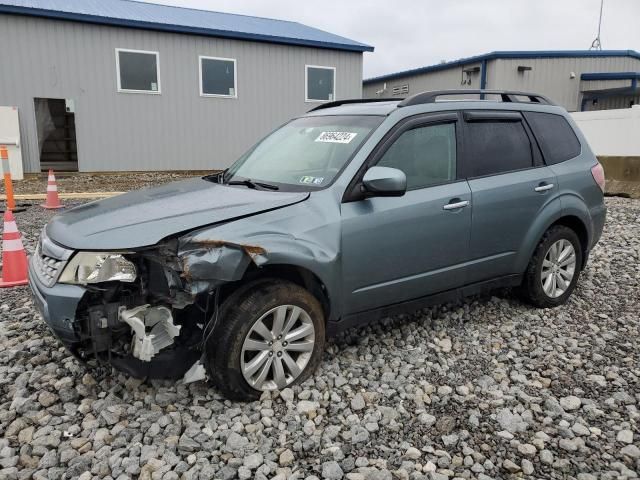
column 58, row 306
column 598, row 218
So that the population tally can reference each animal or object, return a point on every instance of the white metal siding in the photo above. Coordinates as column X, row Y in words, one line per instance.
column 548, row 76
column 587, row 85
column 450, row 78
column 177, row 129
column 552, row 76
column 612, row 103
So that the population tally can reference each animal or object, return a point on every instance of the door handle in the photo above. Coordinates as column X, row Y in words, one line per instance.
column 456, row 205
column 544, row 187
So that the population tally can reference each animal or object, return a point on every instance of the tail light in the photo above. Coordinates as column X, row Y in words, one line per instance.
column 598, row 175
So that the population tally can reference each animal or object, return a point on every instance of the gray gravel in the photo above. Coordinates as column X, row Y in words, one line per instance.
column 97, row 182
column 487, row 388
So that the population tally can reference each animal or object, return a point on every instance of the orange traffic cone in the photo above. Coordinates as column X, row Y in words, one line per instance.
column 52, row 193
column 14, row 258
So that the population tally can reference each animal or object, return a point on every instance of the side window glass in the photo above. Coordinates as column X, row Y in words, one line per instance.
column 557, row 139
column 427, row 155
column 496, row 147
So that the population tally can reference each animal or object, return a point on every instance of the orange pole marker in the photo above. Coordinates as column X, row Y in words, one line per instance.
column 8, row 186
column 14, row 257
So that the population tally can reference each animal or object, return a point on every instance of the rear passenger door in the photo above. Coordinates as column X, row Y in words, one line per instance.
column 509, row 186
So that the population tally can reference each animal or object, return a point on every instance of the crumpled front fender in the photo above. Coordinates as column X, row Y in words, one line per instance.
column 207, row 263
column 305, row 235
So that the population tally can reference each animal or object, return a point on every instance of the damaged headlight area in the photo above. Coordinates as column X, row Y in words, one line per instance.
column 97, row 267
column 148, row 312
column 128, row 327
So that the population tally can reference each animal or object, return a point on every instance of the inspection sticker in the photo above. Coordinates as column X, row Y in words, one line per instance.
column 311, row 180
column 336, row 137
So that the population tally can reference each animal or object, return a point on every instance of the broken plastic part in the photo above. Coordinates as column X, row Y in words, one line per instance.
column 196, row 373
column 161, row 335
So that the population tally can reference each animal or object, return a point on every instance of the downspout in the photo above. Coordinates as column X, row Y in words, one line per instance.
column 483, row 78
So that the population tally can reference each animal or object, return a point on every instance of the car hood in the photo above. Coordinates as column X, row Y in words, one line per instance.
column 144, row 217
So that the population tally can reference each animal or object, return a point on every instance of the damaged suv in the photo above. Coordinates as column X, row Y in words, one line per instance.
column 354, row 211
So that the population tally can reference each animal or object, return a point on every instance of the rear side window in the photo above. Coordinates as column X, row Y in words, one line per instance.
column 495, row 147
column 557, row 139
column 427, row 155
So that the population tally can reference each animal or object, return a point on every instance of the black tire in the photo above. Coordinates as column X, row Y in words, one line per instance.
column 531, row 289
column 238, row 314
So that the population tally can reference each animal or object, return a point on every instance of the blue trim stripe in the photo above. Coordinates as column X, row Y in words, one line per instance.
column 149, row 16
column 507, row 55
column 610, row 76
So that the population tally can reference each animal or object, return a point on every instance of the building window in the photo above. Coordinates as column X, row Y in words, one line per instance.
column 138, row 71
column 218, row 77
column 320, row 84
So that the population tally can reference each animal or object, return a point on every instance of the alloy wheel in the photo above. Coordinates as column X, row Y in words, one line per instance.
column 277, row 348
column 558, row 268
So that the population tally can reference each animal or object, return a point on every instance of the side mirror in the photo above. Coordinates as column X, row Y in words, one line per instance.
column 384, row 182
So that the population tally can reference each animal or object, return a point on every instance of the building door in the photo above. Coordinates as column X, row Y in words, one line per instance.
column 56, row 126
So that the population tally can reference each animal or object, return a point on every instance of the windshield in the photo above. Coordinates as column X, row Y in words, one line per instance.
column 306, row 153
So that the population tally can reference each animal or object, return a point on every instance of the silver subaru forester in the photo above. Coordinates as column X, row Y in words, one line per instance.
column 357, row 210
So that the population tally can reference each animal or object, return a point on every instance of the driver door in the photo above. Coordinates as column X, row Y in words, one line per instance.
column 396, row 249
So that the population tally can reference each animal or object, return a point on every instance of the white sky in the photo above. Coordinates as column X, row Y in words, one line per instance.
column 413, row 33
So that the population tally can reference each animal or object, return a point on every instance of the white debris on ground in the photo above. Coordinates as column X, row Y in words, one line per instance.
column 487, row 388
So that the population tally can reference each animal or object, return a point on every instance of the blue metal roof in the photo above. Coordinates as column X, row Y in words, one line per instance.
column 508, row 55
column 135, row 14
column 611, row 76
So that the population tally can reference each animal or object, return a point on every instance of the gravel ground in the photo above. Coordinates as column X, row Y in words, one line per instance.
column 88, row 182
column 487, row 388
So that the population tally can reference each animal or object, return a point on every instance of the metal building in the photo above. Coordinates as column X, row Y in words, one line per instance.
column 578, row 80
column 108, row 85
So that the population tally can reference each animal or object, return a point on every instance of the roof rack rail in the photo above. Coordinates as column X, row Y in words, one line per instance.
column 505, row 95
column 337, row 103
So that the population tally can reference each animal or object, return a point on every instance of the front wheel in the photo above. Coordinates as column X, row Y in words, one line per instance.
column 270, row 337
column 554, row 269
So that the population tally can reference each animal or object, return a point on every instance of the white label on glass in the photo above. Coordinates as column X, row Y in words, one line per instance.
column 154, row 86
column 336, row 137
column 311, row 180
column 232, row 92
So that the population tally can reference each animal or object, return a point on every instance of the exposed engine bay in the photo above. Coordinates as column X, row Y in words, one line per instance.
column 156, row 325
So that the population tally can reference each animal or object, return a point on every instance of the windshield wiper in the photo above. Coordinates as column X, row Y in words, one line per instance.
column 251, row 184
column 217, row 177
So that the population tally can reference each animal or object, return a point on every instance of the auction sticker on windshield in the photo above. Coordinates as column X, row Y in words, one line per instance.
column 336, row 137
column 312, row 180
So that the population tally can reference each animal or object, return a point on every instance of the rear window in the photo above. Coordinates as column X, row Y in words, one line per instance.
column 557, row 139
column 497, row 147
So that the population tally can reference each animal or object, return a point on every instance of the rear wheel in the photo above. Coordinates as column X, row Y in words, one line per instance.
column 270, row 337
column 554, row 269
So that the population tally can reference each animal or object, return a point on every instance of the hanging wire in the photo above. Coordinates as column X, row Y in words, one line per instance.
column 596, row 45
